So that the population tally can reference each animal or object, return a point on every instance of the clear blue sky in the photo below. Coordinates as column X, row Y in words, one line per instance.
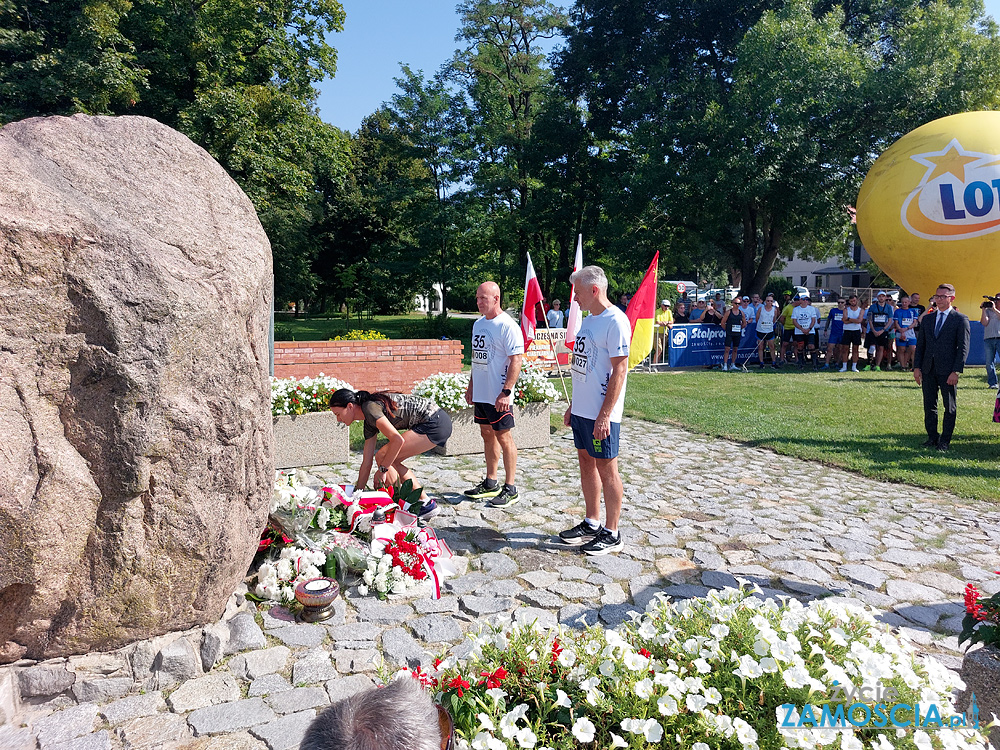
column 379, row 35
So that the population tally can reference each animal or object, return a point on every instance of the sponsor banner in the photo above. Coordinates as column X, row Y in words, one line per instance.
column 702, row 344
column 540, row 351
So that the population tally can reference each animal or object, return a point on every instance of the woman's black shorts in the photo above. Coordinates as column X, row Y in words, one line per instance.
column 437, row 427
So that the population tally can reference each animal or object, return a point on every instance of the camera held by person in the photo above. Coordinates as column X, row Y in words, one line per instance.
column 990, row 302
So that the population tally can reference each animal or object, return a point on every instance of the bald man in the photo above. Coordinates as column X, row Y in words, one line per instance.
column 497, row 350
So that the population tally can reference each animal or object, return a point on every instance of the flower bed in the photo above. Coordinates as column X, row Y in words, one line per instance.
column 305, row 432
column 729, row 671
column 532, row 394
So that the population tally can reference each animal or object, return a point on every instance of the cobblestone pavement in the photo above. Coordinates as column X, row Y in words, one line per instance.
column 699, row 513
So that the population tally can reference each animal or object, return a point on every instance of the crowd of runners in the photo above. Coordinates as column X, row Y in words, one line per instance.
column 862, row 333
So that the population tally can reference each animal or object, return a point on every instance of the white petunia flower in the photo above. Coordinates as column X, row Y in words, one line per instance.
column 644, row 689
column 562, row 699
column 584, row 730
column 666, row 705
column 653, row 732
column 526, row 738
column 618, row 741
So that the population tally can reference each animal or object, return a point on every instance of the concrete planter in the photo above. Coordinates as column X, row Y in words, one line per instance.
column 531, row 430
column 981, row 673
column 310, row 440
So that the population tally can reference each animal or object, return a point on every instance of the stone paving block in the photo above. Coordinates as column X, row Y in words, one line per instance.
column 402, row 649
column 133, row 707
column 863, row 575
column 501, row 588
column 95, row 741
column 45, row 680
column 909, row 591
column 245, row 634
column 309, row 636
column 313, row 667
column 297, row 699
column 16, row 738
column 911, row 559
column 874, row 598
column 345, row 687
column 233, row 741
column 804, row 570
column 270, row 683
column 430, row 606
column 716, row 579
column 808, row 588
column 466, row 584
column 615, row 614
column 100, row 689
column 576, row 590
column 436, row 629
column 65, row 725
column 372, row 610
column 486, row 605
column 942, row 582
column 356, row 631
column 543, row 598
column 540, row 579
column 214, row 641
column 283, row 620
column 209, row 690
column 230, row 717
column 179, row 660
column 921, row 615
column 617, row 567
column 153, row 732
column 251, row 665
column 613, row 594
column 361, row 660
column 498, row 565
column 574, row 573
column 578, row 616
column 528, row 615
column 285, row 733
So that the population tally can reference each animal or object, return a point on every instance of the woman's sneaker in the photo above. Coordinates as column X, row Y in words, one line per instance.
column 605, row 543
column 429, row 510
column 582, row 533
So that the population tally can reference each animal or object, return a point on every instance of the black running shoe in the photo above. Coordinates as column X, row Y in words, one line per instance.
column 481, row 491
column 505, row 498
column 579, row 534
column 605, row 543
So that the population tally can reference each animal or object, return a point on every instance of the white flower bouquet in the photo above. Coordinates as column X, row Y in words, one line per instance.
column 447, row 390
column 276, row 579
column 303, row 396
column 729, row 671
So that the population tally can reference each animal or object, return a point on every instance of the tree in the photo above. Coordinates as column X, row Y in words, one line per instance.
column 747, row 126
column 236, row 76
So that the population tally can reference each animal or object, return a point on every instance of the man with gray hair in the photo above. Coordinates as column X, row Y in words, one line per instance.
column 600, row 367
column 399, row 716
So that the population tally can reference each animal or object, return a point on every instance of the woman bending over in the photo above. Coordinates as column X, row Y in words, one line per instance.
column 425, row 423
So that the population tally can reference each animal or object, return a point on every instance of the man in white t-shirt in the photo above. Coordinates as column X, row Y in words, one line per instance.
column 497, row 350
column 600, row 367
column 806, row 318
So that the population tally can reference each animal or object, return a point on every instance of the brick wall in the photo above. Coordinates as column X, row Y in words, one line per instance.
column 394, row 365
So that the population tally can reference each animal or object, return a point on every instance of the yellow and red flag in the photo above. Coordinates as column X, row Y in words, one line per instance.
column 641, row 312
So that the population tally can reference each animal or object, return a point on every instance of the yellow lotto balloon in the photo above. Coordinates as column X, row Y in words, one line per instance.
column 929, row 208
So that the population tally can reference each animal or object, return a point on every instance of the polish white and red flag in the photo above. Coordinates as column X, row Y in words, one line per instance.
column 573, row 314
column 532, row 296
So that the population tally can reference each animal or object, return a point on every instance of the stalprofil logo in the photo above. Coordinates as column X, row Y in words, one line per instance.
column 679, row 338
column 958, row 196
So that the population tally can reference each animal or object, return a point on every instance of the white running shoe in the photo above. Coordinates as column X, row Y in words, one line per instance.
column 844, row 368
column 725, row 367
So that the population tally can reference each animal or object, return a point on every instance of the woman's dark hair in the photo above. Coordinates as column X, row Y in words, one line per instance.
column 344, row 396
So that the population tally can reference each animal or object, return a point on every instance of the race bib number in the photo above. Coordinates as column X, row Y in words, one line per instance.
column 905, row 322
column 480, row 354
column 736, row 329
column 837, row 316
column 579, row 366
column 880, row 318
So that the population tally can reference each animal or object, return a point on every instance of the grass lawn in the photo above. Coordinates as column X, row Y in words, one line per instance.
column 869, row 422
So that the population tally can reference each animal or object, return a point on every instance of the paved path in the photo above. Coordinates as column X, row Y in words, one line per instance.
column 698, row 513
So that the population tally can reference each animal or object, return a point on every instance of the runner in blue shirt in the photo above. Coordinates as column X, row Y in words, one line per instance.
column 906, row 337
column 835, row 325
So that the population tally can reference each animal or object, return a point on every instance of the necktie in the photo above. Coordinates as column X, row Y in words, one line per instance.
column 940, row 322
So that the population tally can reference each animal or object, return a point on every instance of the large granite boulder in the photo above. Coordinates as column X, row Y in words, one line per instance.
column 136, row 453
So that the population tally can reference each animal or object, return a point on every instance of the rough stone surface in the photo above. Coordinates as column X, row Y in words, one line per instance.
column 981, row 673
column 252, row 665
column 297, row 699
column 101, row 690
column 151, row 732
column 312, row 667
column 179, row 660
column 269, row 683
column 205, row 691
column 229, row 717
column 285, row 733
column 44, row 680
column 94, row 741
column 66, row 725
column 347, row 686
column 133, row 707
column 244, row 634
column 134, row 397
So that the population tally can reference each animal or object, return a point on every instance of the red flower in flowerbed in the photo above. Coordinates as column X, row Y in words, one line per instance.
column 407, row 554
column 982, row 617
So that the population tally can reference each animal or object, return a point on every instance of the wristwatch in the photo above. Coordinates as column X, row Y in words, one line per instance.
column 382, row 469
column 505, row 391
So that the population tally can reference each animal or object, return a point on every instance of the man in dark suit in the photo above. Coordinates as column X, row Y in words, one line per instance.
column 942, row 346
